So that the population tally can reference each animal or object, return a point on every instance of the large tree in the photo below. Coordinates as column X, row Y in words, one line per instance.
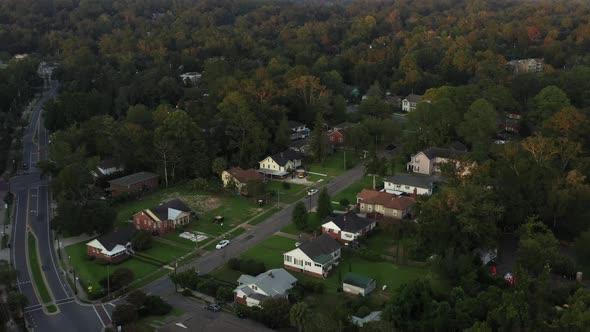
column 479, row 126
column 299, row 216
column 324, row 204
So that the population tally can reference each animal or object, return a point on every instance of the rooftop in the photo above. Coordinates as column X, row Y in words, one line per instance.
column 162, row 211
column 412, row 98
column 275, row 282
column 357, row 280
column 118, row 236
column 282, row 158
column 322, row 245
column 436, row 152
column 133, row 178
column 411, row 180
column 295, row 124
column 350, row 222
column 385, row 199
column 245, row 175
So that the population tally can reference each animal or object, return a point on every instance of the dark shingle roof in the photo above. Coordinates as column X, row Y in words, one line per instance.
column 443, row 153
column 295, row 124
column 322, row 245
column 161, row 211
column 245, row 175
column 412, row 98
column 411, row 180
column 357, row 280
column 351, row 222
column 133, row 178
column 457, row 146
column 282, row 158
column 119, row 236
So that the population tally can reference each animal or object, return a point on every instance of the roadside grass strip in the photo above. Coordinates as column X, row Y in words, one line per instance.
column 36, row 270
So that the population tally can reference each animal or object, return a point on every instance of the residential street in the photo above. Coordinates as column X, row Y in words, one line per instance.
column 214, row 259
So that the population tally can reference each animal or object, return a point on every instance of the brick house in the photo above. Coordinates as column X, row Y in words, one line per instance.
column 316, row 257
column 252, row 291
column 136, row 182
column 112, row 247
column 336, row 137
column 163, row 218
column 347, row 227
column 384, row 204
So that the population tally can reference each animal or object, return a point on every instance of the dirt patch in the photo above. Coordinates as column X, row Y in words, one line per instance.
column 202, row 203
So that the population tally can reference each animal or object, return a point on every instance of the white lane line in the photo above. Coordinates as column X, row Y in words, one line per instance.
column 100, row 318
column 14, row 237
column 107, row 312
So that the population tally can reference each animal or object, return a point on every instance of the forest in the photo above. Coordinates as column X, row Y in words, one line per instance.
column 264, row 63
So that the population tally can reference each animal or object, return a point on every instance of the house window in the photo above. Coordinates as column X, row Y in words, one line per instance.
column 297, row 261
column 347, row 235
column 307, row 263
column 339, row 139
column 317, row 265
column 254, row 287
column 397, row 186
column 407, row 187
column 288, row 259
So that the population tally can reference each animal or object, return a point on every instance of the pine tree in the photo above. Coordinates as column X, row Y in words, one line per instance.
column 324, row 204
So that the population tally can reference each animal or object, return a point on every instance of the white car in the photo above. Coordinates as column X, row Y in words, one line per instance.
column 312, row 192
column 222, row 244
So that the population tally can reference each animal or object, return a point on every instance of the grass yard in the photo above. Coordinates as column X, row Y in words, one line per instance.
column 91, row 272
column 36, row 270
column 165, row 252
column 351, row 191
column 224, row 273
column 313, row 220
column 333, row 165
column 270, row 251
column 295, row 191
column 262, row 217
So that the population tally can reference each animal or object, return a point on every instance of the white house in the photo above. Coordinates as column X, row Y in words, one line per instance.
column 348, row 227
column 191, row 77
column 107, row 167
column 409, row 103
column 252, row 291
column 409, row 184
column 281, row 164
column 429, row 161
column 316, row 257
column 298, row 130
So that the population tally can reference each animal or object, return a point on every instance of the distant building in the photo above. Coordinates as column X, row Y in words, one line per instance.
column 280, row 164
column 239, row 178
column 298, row 130
column 347, row 227
column 112, row 247
column 252, row 291
column 384, row 204
column 191, row 77
column 107, row 167
column 409, row 184
column 429, row 161
column 301, row 145
column 394, row 101
column 410, row 102
column 357, row 284
column 530, row 65
column 316, row 257
column 136, row 182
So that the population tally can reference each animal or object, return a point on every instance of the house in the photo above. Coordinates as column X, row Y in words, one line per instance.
column 409, row 103
column 112, row 247
column 163, row 218
column 343, row 125
column 374, row 316
column 298, row 130
column 347, row 227
column 280, row 164
column 191, row 77
column 252, row 291
column 408, row 184
column 240, row 178
column 302, row 145
column 384, row 204
column 107, row 167
column 530, row 65
column 136, row 182
column 429, row 161
column 336, row 136
column 356, row 284
column 315, row 257
column 393, row 101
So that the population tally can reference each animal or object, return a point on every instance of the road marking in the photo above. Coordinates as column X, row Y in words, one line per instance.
column 100, row 318
column 51, row 247
column 107, row 312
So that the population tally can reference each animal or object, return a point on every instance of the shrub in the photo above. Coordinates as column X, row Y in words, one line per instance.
column 565, row 266
column 154, row 305
column 118, row 279
column 234, row 264
column 224, row 294
column 344, row 203
column 142, row 241
column 363, row 311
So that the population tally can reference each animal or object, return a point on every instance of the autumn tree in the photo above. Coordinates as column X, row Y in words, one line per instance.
column 546, row 103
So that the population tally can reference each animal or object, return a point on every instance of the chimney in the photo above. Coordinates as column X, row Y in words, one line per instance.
column 270, row 274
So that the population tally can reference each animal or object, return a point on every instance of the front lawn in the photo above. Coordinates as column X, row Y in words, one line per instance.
column 333, row 165
column 270, row 251
column 165, row 252
column 91, row 272
column 313, row 220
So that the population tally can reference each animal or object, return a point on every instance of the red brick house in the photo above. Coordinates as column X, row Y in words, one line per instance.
column 136, row 182
column 336, row 137
column 112, row 247
column 348, row 227
column 163, row 218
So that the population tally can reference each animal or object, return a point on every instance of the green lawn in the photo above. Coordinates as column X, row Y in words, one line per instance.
column 234, row 208
column 295, row 191
column 173, row 236
column 91, row 272
column 36, row 270
column 333, row 165
column 313, row 220
column 366, row 182
column 262, row 217
column 51, row 308
column 224, row 273
column 270, row 251
column 165, row 252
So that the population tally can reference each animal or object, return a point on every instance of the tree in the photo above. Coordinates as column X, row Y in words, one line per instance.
column 299, row 316
column 479, row 125
column 582, row 249
column 142, row 241
column 120, row 278
column 16, row 302
column 299, row 216
column 319, row 141
column 154, row 305
column 275, row 312
column 137, row 298
column 410, row 307
column 546, row 103
column 375, row 166
column 124, row 314
column 218, row 166
column 537, row 246
column 577, row 316
column 375, row 107
column 283, row 133
column 324, row 204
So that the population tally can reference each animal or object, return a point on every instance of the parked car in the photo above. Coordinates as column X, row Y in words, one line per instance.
column 222, row 244
column 312, row 192
column 213, row 307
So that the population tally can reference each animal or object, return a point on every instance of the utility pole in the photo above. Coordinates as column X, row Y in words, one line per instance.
column 344, row 159
column 108, row 282
column 175, row 279
column 309, row 202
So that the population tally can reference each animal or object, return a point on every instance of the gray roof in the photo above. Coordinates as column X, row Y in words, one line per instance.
column 299, row 143
column 133, row 178
column 350, row 222
column 161, row 211
column 414, row 98
column 411, row 180
column 434, row 152
column 322, row 245
column 274, row 282
column 457, row 146
column 282, row 158
column 119, row 236
column 393, row 99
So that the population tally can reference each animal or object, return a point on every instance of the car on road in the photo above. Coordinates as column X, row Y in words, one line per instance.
column 213, row 307
column 25, row 166
column 222, row 244
column 312, row 192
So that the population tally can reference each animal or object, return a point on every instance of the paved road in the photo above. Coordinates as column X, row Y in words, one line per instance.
column 214, row 259
column 32, row 212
